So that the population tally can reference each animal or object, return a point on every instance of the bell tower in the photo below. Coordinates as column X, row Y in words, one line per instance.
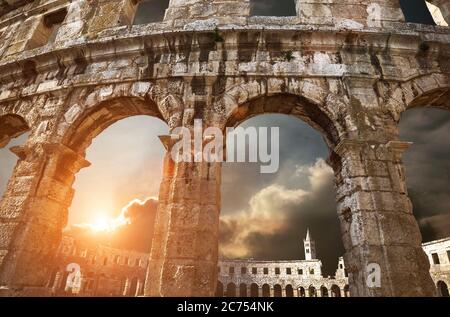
column 310, row 247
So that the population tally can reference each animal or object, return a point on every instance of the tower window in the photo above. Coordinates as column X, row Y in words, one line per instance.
column 266, row 271
column 243, row 270
column 448, row 256
column 231, row 270
column 288, row 271
column 254, row 270
column 300, row 272
column 307, row 251
column 277, row 270
column 311, row 271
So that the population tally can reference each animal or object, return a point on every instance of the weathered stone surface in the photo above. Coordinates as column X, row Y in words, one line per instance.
column 350, row 75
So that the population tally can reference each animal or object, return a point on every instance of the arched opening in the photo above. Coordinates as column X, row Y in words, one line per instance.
column 254, row 290
column 277, row 291
column 243, row 290
column 312, row 291
column 346, row 291
column 272, row 8
column 115, row 202
column 150, row 11
column 231, row 290
column 324, row 291
column 442, row 289
column 133, row 287
column 13, row 133
column 301, row 292
column 219, row 289
column 283, row 199
column 266, row 290
column 289, row 291
column 335, row 291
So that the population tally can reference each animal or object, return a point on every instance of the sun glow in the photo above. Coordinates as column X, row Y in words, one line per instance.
column 105, row 223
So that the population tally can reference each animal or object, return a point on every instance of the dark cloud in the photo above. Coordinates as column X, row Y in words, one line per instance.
column 427, row 165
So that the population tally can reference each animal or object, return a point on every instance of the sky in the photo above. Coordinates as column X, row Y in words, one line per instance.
column 263, row 216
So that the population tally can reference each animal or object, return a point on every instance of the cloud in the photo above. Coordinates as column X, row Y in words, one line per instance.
column 274, row 223
column 427, row 167
column 133, row 228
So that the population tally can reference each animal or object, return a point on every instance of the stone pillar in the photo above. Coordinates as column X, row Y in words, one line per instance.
column 260, row 292
column 383, row 256
column 283, row 292
column 372, row 13
column 184, row 257
column 33, row 213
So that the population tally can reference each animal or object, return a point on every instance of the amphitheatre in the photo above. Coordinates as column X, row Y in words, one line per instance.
column 348, row 68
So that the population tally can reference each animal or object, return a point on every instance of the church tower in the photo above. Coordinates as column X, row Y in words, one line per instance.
column 310, row 247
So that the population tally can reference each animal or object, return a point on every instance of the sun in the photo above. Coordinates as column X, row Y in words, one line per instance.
column 102, row 224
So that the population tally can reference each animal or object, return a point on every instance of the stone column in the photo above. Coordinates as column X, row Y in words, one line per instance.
column 33, row 213
column 260, row 292
column 383, row 256
column 184, row 256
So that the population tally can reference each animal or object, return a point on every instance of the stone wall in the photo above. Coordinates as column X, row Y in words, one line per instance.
column 70, row 69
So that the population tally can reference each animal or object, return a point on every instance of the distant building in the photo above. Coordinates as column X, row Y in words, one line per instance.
column 298, row 278
column 104, row 271
column 97, row 270
column 439, row 256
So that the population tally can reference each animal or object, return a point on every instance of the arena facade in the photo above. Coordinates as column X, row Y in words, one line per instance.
column 106, row 271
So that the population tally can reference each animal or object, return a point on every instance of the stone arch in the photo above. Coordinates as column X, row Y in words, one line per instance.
column 277, row 290
column 219, row 289
column 346, row 290
column 335, row 291
column 231, row 290
column 312, row 292
column 289, row 291
column 243, row 290
column 313, row 105
column 11, row 126
column 442, row 288
column 134, row 284
column 266, row 290
column 84, row 120
column 301, row 291
column 431, row 90
column 254, row 290
column 323, row 291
